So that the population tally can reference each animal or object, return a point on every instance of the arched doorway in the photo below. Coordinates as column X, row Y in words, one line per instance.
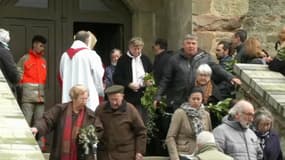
column 58, row 20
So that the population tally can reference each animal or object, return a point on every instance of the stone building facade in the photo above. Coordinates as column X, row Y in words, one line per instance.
column 212, row 20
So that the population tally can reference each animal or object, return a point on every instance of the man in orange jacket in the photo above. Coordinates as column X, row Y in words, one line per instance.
column 33, row 70
column 32, row 67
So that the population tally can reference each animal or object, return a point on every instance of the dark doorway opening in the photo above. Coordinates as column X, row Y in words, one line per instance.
column 109, row 36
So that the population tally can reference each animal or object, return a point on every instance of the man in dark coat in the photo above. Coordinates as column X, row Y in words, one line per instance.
column 119, row 127
column 180, row 74
column 161, row 58
column 238, row 40
column 7, row 63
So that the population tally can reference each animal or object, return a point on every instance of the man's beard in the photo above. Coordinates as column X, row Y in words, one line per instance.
column 245, row 125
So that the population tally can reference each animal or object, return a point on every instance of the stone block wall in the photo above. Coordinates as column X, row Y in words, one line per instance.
column 264, row 20
column 214, row 20
column 264, row 88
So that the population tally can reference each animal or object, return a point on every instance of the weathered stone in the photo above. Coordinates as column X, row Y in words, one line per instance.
column 229, row 8
column 201, row 6
column 206, row 40
column 214, row 23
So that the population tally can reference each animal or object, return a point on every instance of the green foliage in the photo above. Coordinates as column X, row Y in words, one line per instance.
column 147, row 102
column 86, row 138
column 220, row 109
column 230, row 64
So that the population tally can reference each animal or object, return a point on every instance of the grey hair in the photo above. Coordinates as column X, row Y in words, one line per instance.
column 205, row 137
column 136, row 41
column 239, row 107
column 77, row 90
column 4, row 35
column 191, row 37
column 204, row 69
column 261, row 115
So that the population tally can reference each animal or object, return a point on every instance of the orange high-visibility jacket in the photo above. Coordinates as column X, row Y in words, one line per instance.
column 33, row 70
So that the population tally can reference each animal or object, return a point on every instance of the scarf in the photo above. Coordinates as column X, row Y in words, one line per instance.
column 4, row 45
column 138, row 72
column 194, row 117
column 70, row 132
column 261, row 136
column 207, row 90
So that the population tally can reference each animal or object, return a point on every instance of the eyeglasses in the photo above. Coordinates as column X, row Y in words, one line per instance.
column 248, row 114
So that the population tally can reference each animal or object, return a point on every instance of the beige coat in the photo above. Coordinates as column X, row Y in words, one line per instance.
column 181, row 137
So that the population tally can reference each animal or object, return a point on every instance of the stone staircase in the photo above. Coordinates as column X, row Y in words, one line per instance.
column 264, row 88
column 16, row 139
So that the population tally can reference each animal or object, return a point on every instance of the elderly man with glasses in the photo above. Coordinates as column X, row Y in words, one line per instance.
column 234, row 137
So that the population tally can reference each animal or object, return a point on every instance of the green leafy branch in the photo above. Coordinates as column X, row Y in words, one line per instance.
column 86, row 138
column 221, row 108
column 147, row 102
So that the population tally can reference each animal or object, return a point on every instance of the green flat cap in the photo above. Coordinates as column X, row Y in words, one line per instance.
column 115, row 89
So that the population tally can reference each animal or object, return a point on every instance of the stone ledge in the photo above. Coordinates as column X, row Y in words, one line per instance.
column 16, row 139
column 264, row 88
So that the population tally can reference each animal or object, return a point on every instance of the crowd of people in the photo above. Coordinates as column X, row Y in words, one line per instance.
column 189, row 79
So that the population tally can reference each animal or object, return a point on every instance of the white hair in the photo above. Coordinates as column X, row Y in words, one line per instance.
column 204, row 69
column 239, row 107
column 4, row 35
column 205, row 137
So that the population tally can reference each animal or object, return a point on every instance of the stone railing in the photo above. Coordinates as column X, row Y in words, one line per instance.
column 264, row 88
column 16, row 139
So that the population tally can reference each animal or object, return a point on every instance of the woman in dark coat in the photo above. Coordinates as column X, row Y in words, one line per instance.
column 130, row 72
column 66, row 120
column 269, row 139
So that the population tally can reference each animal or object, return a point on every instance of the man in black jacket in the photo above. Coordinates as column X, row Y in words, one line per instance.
column 179, row 76
column 161, row 58
column 7, row 63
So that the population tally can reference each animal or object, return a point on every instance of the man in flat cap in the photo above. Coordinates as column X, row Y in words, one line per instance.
column 120, row 129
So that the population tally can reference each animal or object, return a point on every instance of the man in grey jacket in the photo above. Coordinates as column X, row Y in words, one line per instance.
column 234, row 137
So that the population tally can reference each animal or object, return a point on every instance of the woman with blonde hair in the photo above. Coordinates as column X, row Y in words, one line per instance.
column 254, row 52
column 66, row 120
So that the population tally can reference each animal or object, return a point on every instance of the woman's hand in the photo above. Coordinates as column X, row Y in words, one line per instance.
column 34, row 130
column 139, row 156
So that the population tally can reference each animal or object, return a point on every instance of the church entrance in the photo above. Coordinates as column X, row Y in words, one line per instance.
column 109, row 36
column 58, row 20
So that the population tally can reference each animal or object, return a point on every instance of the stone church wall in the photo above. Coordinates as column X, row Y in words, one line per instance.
column 214, row 20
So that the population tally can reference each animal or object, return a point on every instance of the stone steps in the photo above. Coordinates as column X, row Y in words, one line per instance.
column 264, row 88
column 16, row 139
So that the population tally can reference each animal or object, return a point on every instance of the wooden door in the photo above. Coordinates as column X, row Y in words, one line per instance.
column 22, row 32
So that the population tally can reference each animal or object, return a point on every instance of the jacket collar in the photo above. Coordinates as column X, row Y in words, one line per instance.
column 207, row 147
column 121, row 109
column 89, row 112
column 199, row 53
column 35, row 54
column 228, row 120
